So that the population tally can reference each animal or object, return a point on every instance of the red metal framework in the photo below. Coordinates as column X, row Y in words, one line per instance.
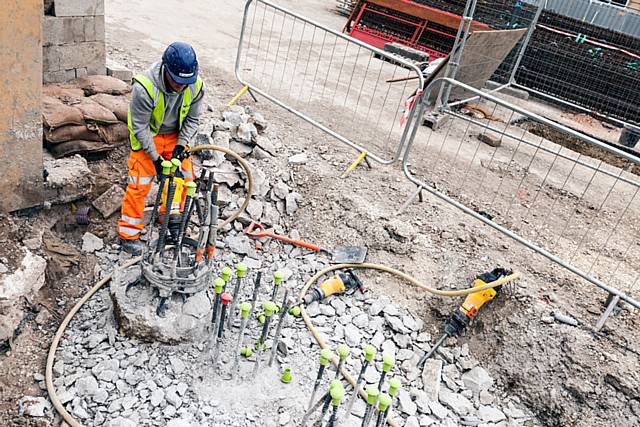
column 378, row 22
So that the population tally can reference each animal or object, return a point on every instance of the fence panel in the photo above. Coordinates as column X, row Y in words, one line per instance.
column 565, row 195
column 589, row 66
column 334, row 82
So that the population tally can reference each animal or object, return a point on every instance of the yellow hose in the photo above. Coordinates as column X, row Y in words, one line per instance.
column 411, row 280
column 65, row 322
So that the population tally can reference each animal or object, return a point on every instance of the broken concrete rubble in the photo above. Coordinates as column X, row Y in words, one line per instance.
column 67, row 179
column 109, row 202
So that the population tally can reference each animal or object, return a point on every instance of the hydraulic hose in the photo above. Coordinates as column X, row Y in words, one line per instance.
column 65, row 322
column 398, row 273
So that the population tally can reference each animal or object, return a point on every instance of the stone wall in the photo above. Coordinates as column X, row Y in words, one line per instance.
column 73, row 39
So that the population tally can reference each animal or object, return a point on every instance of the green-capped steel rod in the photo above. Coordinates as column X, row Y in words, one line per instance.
column 269, row 308
column 327, row 396
column 394, row 389
column 167, row 212
column 369, row 353
column 241, row 270
column 166, row 171
column 387, row 364
column 277, row 280
column 343, row 351
column 337, row 394
column 218, row 286
column 281, row 318
column 225, row 299
column 372, row 398
column 245, row 308
column 186, row 214
column 325, row 357
column 384, row 403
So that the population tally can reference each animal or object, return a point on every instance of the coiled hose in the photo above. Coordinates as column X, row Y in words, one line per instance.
column 307, row 320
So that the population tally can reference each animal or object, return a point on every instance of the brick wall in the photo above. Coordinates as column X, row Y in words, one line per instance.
column 73, row 39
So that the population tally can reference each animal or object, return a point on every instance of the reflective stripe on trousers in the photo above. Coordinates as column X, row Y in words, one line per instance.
column 143, row 180
column 128, row 230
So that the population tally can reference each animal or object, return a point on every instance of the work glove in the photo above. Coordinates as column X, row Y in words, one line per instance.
column 157, row 163
column 180, row 152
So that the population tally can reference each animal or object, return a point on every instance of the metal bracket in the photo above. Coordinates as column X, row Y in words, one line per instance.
column 612, row 302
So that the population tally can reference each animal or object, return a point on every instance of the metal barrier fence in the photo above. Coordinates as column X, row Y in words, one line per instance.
column 563, row 203
column 332, row 81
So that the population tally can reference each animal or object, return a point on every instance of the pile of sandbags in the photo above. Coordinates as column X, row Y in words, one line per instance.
column 87, row 116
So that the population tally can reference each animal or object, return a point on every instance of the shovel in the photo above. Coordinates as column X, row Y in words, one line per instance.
column 339, row 255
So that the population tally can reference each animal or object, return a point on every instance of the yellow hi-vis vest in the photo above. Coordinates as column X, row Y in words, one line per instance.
column 157, row 115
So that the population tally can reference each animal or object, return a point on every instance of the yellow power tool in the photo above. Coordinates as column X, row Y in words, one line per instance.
column 342, row 283
column 469, row 309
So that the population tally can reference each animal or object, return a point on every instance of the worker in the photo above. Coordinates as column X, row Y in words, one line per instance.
column 164, row 113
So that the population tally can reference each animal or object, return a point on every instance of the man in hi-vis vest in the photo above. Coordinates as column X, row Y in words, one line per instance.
column 163, row 117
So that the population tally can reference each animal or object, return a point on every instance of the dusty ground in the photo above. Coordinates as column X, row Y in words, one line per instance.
column 567, row 376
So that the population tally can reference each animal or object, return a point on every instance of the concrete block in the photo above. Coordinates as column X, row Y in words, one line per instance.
column 73, row 29
column 118, row 71
column 94, row 28
column 52, row 31
column 97, row 70
column 79, row 55
column 81, row 72
column 50, row 59
column 79, row 7
column 58, row 76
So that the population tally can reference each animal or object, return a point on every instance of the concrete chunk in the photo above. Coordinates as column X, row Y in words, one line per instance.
column 116, row 70
column 68, row 179
column 431, row 377
column 110, row 201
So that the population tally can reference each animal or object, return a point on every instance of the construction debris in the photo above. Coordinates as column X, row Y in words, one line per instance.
column 109, row 202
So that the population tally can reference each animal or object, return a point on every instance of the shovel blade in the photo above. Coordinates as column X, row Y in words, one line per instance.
column 349, row 255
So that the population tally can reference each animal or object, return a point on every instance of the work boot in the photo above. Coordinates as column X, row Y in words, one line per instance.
column 133, row 247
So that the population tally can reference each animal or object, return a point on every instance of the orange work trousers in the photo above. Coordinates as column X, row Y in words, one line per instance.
column 140, row 179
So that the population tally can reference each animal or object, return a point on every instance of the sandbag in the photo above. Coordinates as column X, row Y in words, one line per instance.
column 114, row 133
column 55, row 114
column 92, row 85
column 62, row 91
column 85, row 148
column 87, row 132
column 118, row 105
column 94, row 112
